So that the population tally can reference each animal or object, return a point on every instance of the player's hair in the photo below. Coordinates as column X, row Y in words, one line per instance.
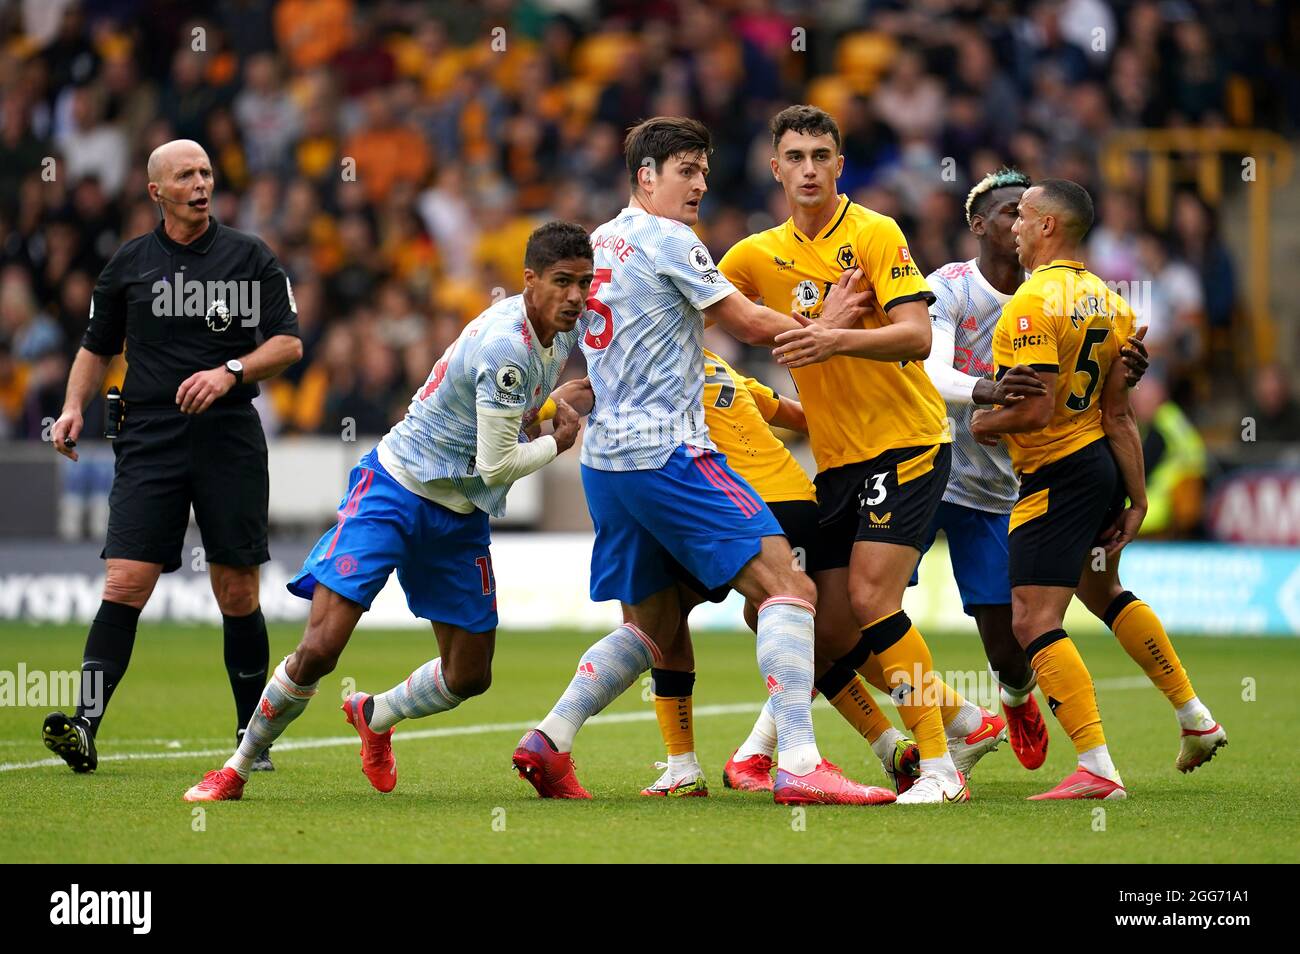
column 1073, row 200
column 808, row 120
column 554, row 242
column 978, row 199
column 654, row 141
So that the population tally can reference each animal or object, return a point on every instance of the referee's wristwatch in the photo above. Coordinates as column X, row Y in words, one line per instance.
column 236, row 367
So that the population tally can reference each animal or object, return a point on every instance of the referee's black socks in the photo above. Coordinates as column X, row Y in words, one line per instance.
column 108, row 652
column 248, row 654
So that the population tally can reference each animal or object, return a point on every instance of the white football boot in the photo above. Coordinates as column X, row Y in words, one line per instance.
column 1199, row 744
column 968, row 749
column 680, row 783
column 934, row 789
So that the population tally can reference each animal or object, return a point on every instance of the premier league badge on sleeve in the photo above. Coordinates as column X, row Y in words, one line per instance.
column 508, row 378
column 510, row 385
column 700, row 260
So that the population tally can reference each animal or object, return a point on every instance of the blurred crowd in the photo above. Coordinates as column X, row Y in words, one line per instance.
column 395, row 155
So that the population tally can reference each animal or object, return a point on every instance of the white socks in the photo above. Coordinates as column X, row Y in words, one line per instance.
column 762, row 738
column 966, row 721
column 1097, row 761
column 1193, row 714
column 941, row 766
column 884, row 746
column 1012, row 696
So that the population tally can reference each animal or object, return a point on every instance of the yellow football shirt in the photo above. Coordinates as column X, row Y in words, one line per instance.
column 736, row 410
column 1062, row 319
column 856, row 408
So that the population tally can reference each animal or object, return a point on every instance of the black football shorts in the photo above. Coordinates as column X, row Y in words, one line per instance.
column 167, row 462
column 891, row 498
column 1063, row 509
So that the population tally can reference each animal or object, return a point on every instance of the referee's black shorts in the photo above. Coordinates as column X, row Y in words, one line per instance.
column 1063, row 509
column 798, row 518
column 167, row 461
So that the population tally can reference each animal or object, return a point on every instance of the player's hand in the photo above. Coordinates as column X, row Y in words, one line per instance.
column 566, row 425
column 982, row 434
column 1020, row 382
column 578, row 393
column 66, row 431
column 811, row 344
column 533, row 430
column 1134, row 356
column 849, row 302
column 1124, row 531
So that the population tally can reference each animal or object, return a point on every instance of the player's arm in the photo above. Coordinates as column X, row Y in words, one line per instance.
column 905, row 338
column 500, row 400
column 904, row 298
column 778, row 411
column 577, row 393
column 1028, row 325
column 745, row 320
column 501, row 458
column 1135, row 357
column 1120, row 425
column 1025, row 416
column 740, row 314
column 789, row 414
column 958, row 387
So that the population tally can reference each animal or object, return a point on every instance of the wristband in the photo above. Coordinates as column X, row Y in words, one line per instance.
column 546, row 411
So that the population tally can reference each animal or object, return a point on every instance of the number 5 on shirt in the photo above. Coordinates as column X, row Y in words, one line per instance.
column 598, row 341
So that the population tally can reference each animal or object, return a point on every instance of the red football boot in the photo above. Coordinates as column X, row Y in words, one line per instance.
column 223, row 785
column 548, row 771
column 753, row 774
column 1083, row 784
column 1028, row 732
column 377, row 760
column 825, row 785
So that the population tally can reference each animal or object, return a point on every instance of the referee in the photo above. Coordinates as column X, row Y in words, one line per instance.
column 190, row 301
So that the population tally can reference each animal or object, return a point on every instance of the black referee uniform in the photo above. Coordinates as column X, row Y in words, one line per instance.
column 181, row 309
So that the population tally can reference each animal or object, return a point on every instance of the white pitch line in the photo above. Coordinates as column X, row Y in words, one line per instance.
column 174, row 743
column 289, row 745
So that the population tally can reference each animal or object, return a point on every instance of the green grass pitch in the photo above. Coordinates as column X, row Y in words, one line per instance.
column 458, row 799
